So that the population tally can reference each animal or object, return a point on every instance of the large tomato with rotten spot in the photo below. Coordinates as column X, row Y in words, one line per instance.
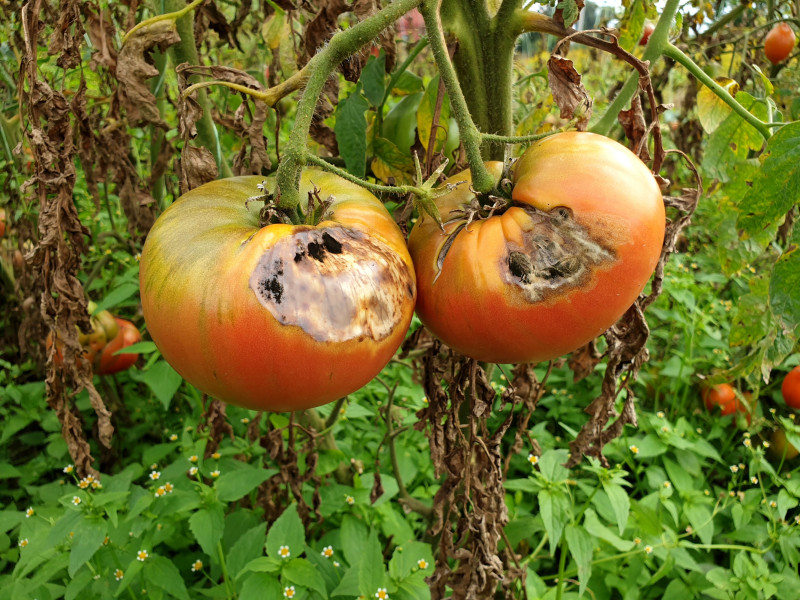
column 553, row 268
column 281, row 317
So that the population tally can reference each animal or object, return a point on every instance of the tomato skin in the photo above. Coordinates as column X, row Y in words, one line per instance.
column 474, row 305
column 790, row 388
column 2, row 222
column 200, row 286
column 127, row 336
column 104, row 329
column 779, row 43
column 646, row 33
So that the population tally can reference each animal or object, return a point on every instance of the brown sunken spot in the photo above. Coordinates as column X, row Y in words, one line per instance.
column 335, row 283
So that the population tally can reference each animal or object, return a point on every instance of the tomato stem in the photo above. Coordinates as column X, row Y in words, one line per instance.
column 341, row 45
column 482, row 180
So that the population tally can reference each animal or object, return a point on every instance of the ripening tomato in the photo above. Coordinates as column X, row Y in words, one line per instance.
column 790, row 388
column 2, row 222
column 646, row 33
column 780, row 448
column 127, row 335
column 281, row 317
column 721, row 395
column 779, row 43
column 553, row 268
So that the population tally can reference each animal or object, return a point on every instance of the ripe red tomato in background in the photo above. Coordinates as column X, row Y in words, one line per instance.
column 283, row 317
column 2, row 222
column 646, row 32
column 572, row 252
column 790, row 388
column 721, row 395
column 779, row 43
column 104, row 329
column 127, row 335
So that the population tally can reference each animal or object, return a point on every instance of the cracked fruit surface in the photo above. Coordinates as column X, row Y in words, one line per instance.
column 550, row 269
column 281, row 317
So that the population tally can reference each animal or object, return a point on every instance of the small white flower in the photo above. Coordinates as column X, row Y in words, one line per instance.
column 142, row 555
column 284, row 552
column 327, row 551
column 381, row 594
column 154, row 475
column 29, row 512
column 119, row 574
column 197, row 565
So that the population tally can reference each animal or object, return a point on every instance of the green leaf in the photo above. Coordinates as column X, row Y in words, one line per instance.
column 413, row 587
column 264, row 564
column 701, row 521
column 571, row 12
column 682, row 481
column 581, row 547
column 732, row 141
column 390, row 164
column 373, row 79
column 206, row 525
column 233, row 485
column 89, row 536
column 593, row 525
column 353, row 533
column 162, row 573
column 351, row 132
column 247, row 548
column 163, row 380
column 349, row 585
column 134, row 568
column 371, row 573
column 408, row 83
column 784, row 288
column 406, row 559
column 631, row 24
column 620, row 502
column 77, row 584
column 288, row 531
column 260, row 586
column 776, row 188
column 554, row 508
column 551, row 465
column 300, row 571
column 117, row 296
column 137, row 348
column 785, row 502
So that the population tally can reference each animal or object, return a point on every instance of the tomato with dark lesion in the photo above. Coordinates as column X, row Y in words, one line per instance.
column 537, row 275
column 279, row 317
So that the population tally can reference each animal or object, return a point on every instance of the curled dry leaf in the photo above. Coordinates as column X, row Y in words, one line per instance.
column 568, row 92
column 635, row 127
column 134, row 69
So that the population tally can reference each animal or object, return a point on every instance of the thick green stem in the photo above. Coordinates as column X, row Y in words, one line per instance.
column 678, row 56
column 321, row 66
column 656, row 46
column 482, row 180
column 186, row 51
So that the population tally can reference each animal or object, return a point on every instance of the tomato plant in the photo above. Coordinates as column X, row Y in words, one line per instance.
column 779, row 43
column 790, row 388
column 555, row 266
column 280, row 317
column 127, row 335
column 104, row 329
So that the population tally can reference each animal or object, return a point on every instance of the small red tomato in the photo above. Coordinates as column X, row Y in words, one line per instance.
column 648, row 30
column 779, row 43
column 127, row 336
column 790, row 388
column 2, row 222
column 722, row 395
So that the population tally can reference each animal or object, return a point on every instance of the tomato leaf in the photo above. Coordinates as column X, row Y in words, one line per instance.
column 784, row 287
column 425, row 114
column 776, row 188
column 407, row 83
column 732, row 141
column 390, row 163
column 631, row 25
column 711, row 109
column 571, row 11
column 351, row 132
column 373, row 79
column 287, row 530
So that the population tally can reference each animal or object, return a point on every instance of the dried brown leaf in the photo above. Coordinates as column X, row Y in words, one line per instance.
column 635, row 127
column 197, row 166
column 568, row 92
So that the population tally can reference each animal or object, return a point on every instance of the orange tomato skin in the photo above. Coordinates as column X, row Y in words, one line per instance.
column 2, row 222
column 721, row 395
column 790, row 388
column 472, row 304
column 127, row 336
column 205, row 317
column 779, row 43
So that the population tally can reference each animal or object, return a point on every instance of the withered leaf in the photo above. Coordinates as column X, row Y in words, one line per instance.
column 635, row 127
column 134, row 69
column 197, row 166
column 568, row 92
